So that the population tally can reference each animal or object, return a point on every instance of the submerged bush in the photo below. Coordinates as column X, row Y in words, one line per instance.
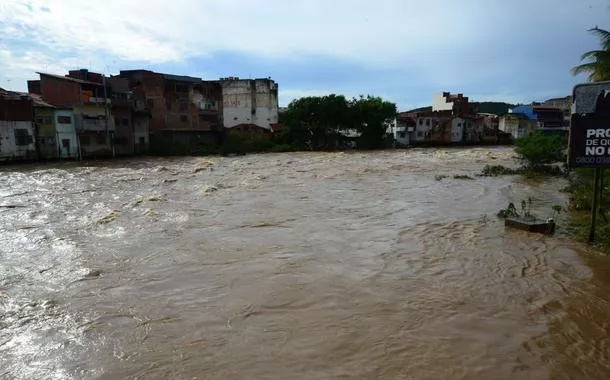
column 498, row 170
column 540, row 149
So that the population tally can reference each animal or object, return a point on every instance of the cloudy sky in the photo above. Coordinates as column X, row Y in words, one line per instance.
column 403, row 50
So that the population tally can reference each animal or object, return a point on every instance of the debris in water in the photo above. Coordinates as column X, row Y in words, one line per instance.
column 170, row 180
column 209, row 189
column 108, row 218
column 150, row 212
column 205, row 165
column 93, row 274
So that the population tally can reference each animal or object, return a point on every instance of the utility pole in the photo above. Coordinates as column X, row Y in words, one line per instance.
column 595, row 205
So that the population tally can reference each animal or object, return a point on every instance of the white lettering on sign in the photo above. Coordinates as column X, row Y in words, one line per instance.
column 597, row 142
column 598, row 133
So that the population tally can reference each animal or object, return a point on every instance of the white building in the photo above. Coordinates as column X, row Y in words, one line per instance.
column 17, row 140
column 403, row 130
column 445, row 101
column 16, row 127
column 249, row 102
column 65, row 129
column 517, row 126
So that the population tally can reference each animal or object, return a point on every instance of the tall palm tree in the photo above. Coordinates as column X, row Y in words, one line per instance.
column 598, row 65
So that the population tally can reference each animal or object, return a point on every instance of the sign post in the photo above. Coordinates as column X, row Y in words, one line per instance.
column 589, row 141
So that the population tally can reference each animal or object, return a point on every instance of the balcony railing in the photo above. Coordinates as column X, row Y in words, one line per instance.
column 99, row 100
column 92, row 124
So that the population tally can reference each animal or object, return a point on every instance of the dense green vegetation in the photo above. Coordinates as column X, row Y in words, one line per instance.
column 496, row 108
column 540, row 149
column 334, row 122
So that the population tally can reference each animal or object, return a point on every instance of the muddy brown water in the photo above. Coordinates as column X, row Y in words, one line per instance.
column 292, row 266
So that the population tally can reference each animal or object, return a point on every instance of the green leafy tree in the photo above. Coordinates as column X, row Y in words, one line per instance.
column 598, row 65
column 313, row 121
column 371, row 117
column 540, row 149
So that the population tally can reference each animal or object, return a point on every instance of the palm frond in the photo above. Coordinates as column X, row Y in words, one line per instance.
column 603, row 35
column 584, row 68
column 598, row 54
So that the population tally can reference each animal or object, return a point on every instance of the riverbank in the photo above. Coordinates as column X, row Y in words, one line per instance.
column 580, row 190
column 581, row 193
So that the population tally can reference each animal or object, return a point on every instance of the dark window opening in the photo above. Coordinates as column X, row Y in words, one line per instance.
column 22, row 137
column 125, row 122
column 64, row 120
column 184, row 118
column 65, row 143
column 150, row 103
column 85, row 140
column 184, row 106
column 101, row 138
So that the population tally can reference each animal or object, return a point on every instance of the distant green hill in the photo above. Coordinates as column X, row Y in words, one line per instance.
column 421, row 109
column 497, row 108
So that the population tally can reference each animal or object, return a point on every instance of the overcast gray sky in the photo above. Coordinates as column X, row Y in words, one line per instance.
column 403, row 50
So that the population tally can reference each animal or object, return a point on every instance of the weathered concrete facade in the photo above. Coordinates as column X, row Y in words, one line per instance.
column 46, row 139
column 246, row 101
column 17, row 134
column 179, row 103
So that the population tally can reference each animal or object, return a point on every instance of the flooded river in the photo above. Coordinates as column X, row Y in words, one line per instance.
column 292, row 266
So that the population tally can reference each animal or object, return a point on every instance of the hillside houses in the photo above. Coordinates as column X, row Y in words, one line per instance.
column 452, row 120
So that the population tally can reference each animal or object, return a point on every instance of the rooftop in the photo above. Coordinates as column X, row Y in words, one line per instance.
column 181, row 78
column 80, row 81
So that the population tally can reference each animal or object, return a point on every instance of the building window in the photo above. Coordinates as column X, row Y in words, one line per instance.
column 64, row 120
column 427, row 122
column 39, row 120
column 181, row 88
column 401, row 135
column 117, row 121
column 421, row 121
column 125, row 122
column 22, row 137
column 150, row 103
column 101, row 138
column 184, row 106
column 65, row 143
column 420, row 134
column 184, row 118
